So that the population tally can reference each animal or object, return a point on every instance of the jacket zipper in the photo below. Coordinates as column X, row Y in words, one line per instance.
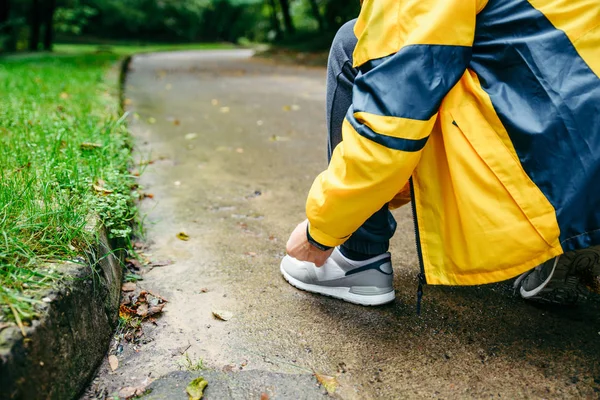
column 421, row 274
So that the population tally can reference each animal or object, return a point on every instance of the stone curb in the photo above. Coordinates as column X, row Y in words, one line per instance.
column 65, row 346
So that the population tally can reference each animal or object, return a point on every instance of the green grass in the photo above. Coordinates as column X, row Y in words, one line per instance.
column 60, row 134
column 126, row 49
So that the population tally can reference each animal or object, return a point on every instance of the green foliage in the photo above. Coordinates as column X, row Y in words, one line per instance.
column 72, row 20
column 64, row 160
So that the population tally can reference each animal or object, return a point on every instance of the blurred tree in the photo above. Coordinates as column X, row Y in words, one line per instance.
column 48, row 22
column 35, row 25
column 317, row 14
column 287, row 17
column 275, row 20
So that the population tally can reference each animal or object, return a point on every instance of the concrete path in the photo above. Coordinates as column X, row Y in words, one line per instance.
column 235, row 145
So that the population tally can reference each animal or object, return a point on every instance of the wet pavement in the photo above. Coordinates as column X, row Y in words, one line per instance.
column 234, row 145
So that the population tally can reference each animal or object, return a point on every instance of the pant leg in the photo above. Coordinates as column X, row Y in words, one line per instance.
column 373, row 237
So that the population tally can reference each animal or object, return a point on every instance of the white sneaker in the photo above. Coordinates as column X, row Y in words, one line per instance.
column 368, row 283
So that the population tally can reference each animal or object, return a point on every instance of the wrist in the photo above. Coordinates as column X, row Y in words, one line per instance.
column 314, row 243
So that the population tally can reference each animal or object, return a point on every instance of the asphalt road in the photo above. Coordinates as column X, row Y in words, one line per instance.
column 235, row 144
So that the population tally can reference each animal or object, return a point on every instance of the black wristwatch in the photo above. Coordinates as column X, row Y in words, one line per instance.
column 315, row 243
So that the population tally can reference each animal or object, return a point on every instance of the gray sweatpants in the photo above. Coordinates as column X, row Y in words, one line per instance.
column 373, row 237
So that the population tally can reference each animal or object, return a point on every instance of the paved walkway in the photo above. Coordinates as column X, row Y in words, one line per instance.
column 236, row 144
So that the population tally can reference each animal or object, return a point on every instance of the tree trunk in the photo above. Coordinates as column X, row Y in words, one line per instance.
column 6, row 30
column 287, row 18
column 34, row 25
column 4, row 12
column 317, row 14
column 275, row 20
column 49, row 24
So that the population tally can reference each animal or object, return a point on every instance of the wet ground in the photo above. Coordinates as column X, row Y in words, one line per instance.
column 234, row 145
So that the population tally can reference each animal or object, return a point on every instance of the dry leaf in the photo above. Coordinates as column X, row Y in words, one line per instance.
column 64, row 95
column 191, row 136
column 286, row 108
column 142, row 310
column 328, row 382
column 176, row 122
column 222, row 315
column 195, row 389
column 90, row 146
column 239, row 150
column 101, row 190
column 264, row 396
column 183, row 236
column 155, row 310
column 113, row 361
column 128, row 287
column 224, row 110
column 163, row 263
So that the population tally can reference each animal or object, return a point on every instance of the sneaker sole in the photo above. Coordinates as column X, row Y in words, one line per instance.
column 564, row 285
column 342, row 293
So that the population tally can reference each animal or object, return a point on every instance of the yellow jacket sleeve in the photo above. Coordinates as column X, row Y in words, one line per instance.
column 410, row 53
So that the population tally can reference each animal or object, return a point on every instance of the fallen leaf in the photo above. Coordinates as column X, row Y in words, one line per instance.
column 264, row 396
column 155, row 310
column 127, row 102
column 328, row 382
column 142, row 310
column 183, row 236
column 191, row 136
column 64, row 95
column 133, row 263
column 176, row 122
column 101, row 190
column 222, row 315
column 195, row 389
column 163, row 263
column 90, row 146
column 286, row 108
column 128, row 287
column 224, row 110
column 214, row 102
column 239, row 150
column 113, row 361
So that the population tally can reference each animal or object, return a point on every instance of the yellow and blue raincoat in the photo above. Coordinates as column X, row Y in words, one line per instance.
column 491, row 109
